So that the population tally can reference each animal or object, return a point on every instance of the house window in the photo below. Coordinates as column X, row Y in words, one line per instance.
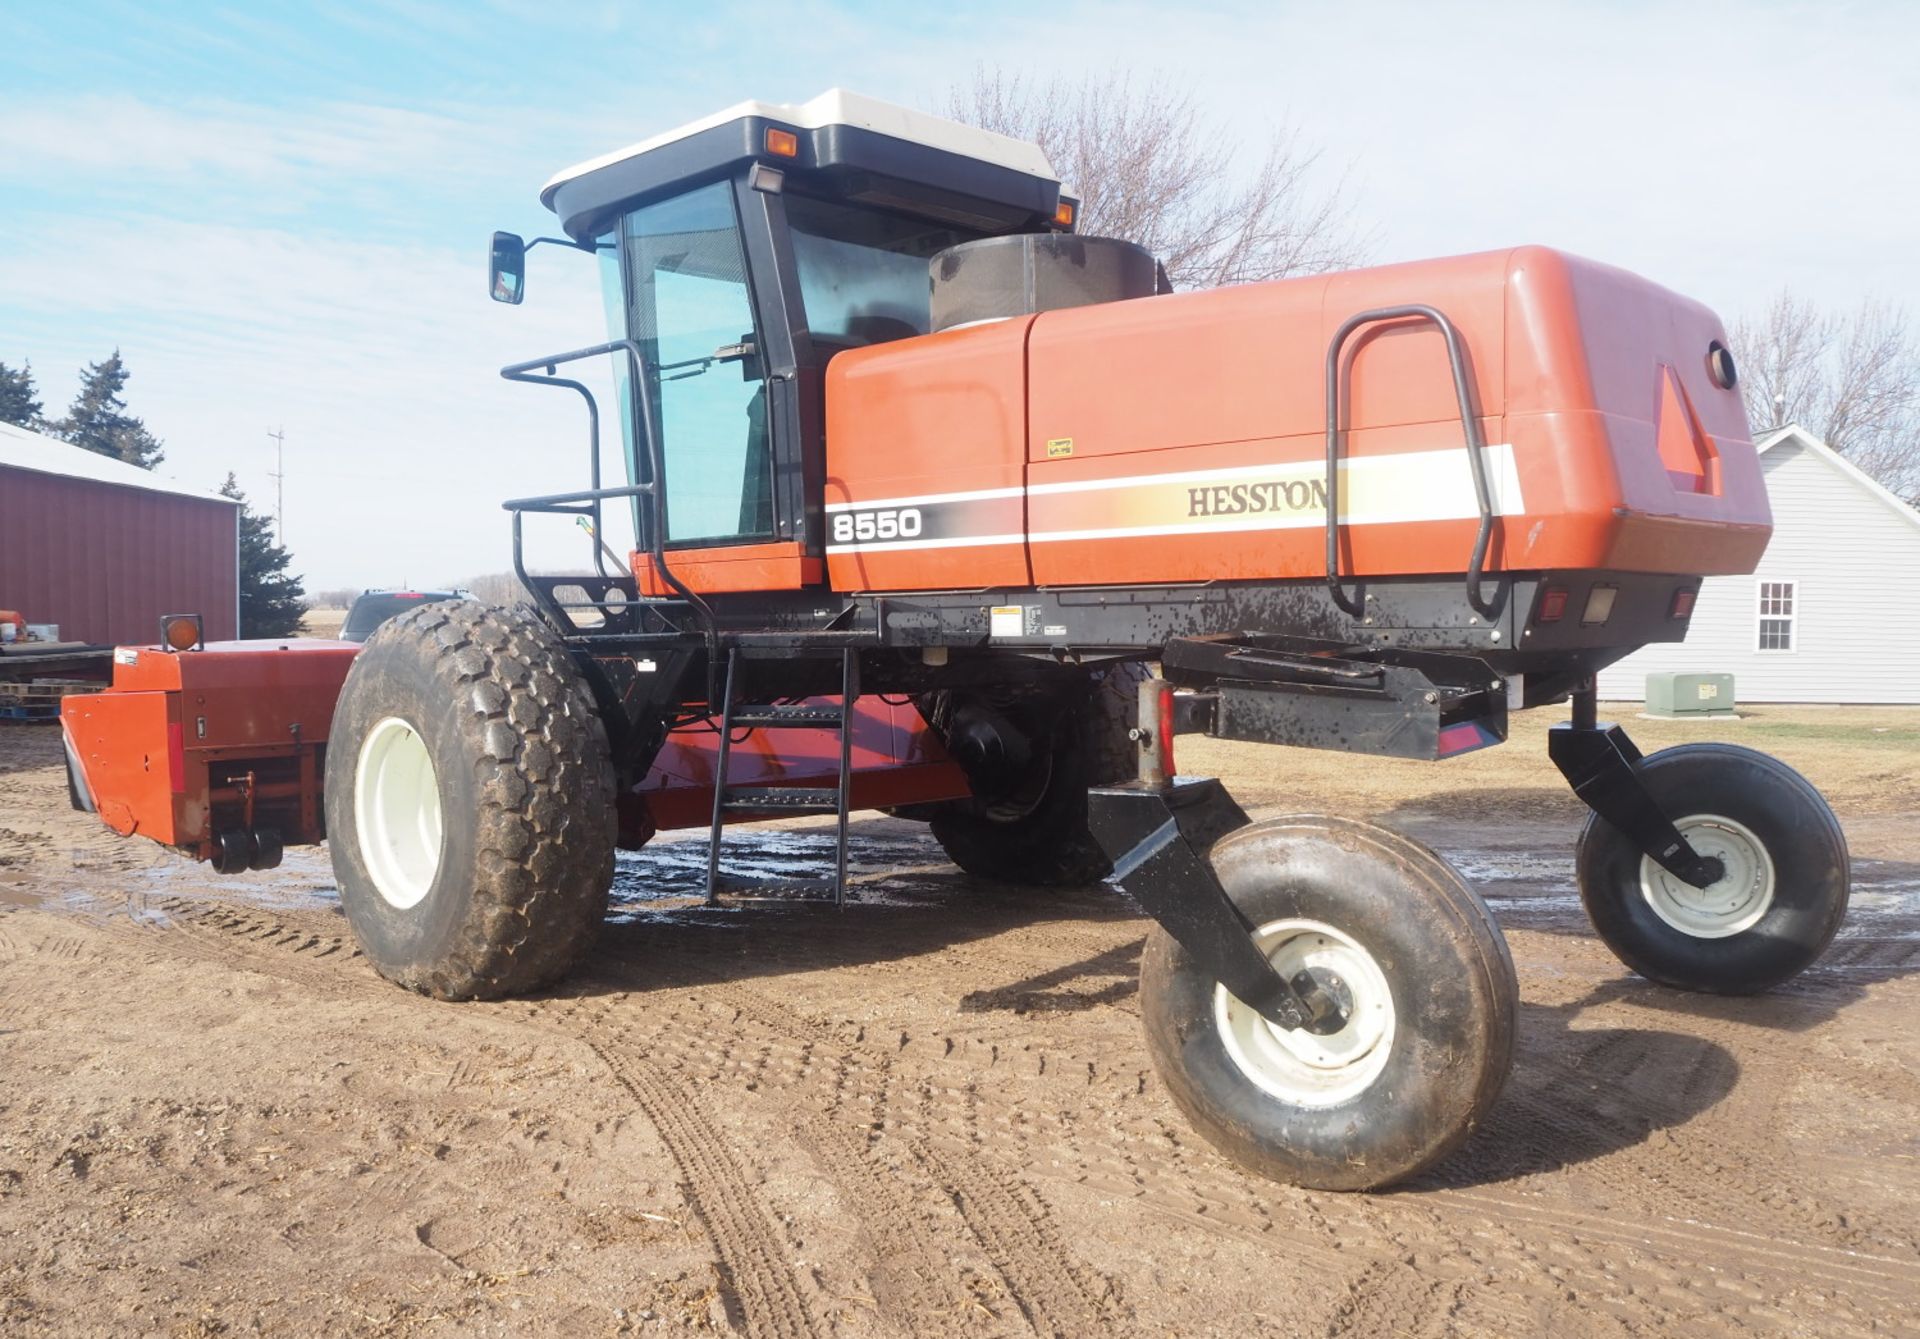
column 1776, row 616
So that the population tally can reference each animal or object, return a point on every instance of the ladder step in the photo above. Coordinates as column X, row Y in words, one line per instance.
column 733, row 888
column 778, row 717
column 785, row 799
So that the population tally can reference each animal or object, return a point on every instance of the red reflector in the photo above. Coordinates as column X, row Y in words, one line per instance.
column 1683, row 603
column 1553, row 605
column 1463, row 737
column 176, row 758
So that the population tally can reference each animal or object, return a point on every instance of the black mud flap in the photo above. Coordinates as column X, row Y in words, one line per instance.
column 1157, row 840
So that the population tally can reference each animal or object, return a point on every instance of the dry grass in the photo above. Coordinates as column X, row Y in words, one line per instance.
column 322, row 622
column 1866, row 760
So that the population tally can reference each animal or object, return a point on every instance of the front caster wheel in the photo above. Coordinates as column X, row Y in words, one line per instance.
column 1424, row 981
column 1766, row 919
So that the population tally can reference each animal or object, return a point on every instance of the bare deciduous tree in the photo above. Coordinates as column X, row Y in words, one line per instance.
column 1151, row 167
column 1852, row 379
column 502, row 588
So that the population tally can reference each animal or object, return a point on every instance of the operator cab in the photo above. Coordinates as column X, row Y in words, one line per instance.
column 739, row 254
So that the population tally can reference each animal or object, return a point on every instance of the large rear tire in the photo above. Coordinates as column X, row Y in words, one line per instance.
column 1767, row 919
column 1422, row 972
column 469, row 797
column 1037, row 833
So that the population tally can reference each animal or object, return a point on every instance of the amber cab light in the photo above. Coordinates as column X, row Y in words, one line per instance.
column 1553, row 605
column 1683, row 599
column 181, row 631
column 782, row 143
column 1063, row 214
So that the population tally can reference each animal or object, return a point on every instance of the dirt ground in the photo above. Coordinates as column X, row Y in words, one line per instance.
column 928, row 1115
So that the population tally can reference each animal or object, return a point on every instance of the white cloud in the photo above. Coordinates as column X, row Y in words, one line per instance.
column 380, row 359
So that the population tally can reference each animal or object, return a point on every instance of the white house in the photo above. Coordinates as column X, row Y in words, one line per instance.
column 1828, row 616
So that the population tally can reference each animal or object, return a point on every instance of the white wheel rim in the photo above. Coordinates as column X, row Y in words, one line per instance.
column 396, row 809
column 1734, row 902
column 1298, row 1066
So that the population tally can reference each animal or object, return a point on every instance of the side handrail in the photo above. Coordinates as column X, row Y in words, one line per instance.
column 588, row 502
column 1469, row 423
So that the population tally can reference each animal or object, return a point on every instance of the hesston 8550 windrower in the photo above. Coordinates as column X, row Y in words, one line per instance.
column 893, row 429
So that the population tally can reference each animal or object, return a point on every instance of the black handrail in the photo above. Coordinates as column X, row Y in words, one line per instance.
column 1469, row 423
column 587, row 503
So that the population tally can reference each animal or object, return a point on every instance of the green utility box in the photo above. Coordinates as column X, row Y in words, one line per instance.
column 1689, row 695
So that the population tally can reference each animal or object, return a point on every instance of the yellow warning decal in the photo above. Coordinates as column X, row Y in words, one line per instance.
column 1058, row 447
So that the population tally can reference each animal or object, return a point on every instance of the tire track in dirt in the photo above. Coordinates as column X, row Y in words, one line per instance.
column 1789, row 1263
column 1400, row 1297
column 1001, row 1211
column 1006, row 1219
column 754, row 1268
column 1013, row 1224
column 903, row 1084
column 1685, row 1164
column 908, row 1269
column 307, row 949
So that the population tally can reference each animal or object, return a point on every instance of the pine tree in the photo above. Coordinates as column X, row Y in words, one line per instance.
column 272, row 602
column 99, row 420
column 18, row 401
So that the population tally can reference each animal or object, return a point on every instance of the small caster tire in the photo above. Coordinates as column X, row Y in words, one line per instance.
column 1766, row 920
column 265, row 849
column 231, row 851
column 1424, row 975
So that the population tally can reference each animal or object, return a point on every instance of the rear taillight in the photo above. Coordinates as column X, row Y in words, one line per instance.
column 1553, row 605
column 1682, row 606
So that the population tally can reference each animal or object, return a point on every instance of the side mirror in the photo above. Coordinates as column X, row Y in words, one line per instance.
column 506, row 281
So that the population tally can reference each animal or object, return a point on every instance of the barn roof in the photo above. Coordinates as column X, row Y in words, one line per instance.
column 1793, row 432
column 24, row 449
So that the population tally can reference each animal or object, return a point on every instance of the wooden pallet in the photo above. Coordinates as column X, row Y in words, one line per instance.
column 39, row 699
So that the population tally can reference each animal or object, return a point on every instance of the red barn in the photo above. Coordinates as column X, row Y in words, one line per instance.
column 104, row 549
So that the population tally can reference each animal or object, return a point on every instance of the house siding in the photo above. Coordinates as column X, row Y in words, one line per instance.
column 1855, row 562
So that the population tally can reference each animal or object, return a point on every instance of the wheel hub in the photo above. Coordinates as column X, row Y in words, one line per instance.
column 1732, row 903
column 1305, row 1067
column 396, row 811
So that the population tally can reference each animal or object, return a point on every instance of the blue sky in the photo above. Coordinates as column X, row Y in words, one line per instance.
column 279, row 215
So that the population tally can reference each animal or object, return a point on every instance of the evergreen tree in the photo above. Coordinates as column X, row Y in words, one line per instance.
column 18, row 403
column 272, row 602
column 99, row 420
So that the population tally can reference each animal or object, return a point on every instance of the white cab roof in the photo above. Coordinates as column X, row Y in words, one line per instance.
column 838, row 107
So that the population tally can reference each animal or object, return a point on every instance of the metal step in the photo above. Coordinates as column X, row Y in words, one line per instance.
column 784, row 717
column 781, row 799
column 735, row 890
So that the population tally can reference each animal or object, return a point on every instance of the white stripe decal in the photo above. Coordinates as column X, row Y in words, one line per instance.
column 928, row 499
column 1375, row 490
column 1498, row 455
column 956, row 542
column 1493, row 453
